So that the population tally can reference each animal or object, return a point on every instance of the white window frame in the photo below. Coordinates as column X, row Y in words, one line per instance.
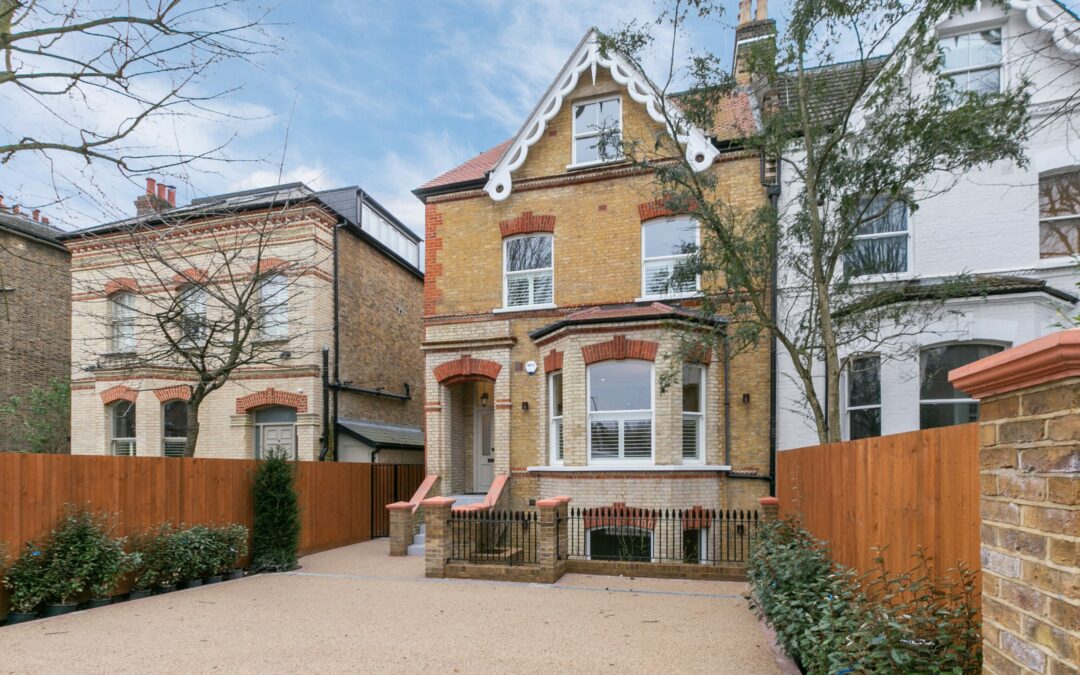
column 1050, row 175
column 121, row 316
column 698, row 416
column 531, row 275
column 192, row 297
column 909, row 241
column 848, row 408
column 1000, row 67
column 671, row 261
column 621, row 416
column 593, row 133
column 634, row 528
column 166, row 440
column 280, row 310
column 129, row 443
column 556, row 438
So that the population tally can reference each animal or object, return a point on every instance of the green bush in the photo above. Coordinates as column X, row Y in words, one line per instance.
column 233, row 543
column 159, row 559
column 111, row 565
column 276, row 535
column 25, row 580
column 828, row 619
column 74, row 553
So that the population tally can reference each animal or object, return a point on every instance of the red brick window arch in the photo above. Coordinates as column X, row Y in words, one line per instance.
column 466, row 369
column 269, row 397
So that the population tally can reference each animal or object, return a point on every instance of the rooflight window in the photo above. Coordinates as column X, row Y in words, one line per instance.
column 592, row 120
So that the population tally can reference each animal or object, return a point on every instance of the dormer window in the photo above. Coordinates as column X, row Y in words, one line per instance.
column 592, row 120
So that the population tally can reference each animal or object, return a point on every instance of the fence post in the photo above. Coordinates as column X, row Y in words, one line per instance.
column 770, row 509
column 549, row 551
column 401, row 527
column 436, row 535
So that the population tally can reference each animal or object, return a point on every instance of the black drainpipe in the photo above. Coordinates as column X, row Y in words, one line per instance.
column 774, row 199
column 727, row 400
column 325, row 404
column 337, row 336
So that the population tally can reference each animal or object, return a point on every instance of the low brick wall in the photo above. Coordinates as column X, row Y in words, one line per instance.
column 534, row 574
column 615, row 568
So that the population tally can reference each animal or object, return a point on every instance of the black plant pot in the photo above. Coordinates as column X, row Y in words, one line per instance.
column 58, row 608
column 19, row 617
column 193, row 583
column 166, row 588
column 211, row 579
column 94, row 603
column 137, row 593
column 236, row 574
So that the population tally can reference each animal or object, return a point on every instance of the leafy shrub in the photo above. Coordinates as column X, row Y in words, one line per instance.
column 233, row 542
column 25, row 580
column 74, row 553
column 159, row 559
column 828, row 619
column 276, row 535
column 111, row 565
column 40, row 421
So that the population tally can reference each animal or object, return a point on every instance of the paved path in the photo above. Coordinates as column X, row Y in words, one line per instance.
column 354, row 609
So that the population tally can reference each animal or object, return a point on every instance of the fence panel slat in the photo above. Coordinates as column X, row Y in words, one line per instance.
column 900, row 492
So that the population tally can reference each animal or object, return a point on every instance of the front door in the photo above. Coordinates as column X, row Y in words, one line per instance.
column 483, row 450
column 279, row 438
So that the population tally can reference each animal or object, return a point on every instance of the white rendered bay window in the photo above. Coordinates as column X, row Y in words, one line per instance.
column 620, row 400
column 528, row 275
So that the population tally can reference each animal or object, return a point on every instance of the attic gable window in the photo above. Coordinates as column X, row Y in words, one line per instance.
column 593, row 119
column 973, row 61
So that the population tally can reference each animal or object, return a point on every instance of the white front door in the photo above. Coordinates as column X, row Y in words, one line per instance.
column 483, row 450
column 279, row 438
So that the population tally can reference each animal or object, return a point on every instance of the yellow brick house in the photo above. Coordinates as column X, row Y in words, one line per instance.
column 548, row 318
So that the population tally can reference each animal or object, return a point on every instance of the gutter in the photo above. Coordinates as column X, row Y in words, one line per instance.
column 345, row 386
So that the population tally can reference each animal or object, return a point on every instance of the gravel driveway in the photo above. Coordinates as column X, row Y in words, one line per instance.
column 354, row 609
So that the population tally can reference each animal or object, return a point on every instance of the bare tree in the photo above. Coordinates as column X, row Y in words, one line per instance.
column 855, row 143
column 213, row 290
column 139, row 60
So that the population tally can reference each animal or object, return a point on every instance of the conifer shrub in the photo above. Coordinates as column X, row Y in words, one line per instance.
column 276, row 534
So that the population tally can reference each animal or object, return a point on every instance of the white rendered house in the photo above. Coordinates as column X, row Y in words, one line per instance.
column 1014, row 230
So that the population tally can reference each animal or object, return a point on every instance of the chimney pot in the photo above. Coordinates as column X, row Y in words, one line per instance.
column 744, row 12
column 762, row 10
column 44, row 220
column 161, row 191
column 37, row 215
column 150, row 186
column 15, row 209
column 172, row 195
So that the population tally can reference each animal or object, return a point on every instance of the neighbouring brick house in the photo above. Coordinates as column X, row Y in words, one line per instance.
column 355, row 292
column 548, row 316
column 35, row 309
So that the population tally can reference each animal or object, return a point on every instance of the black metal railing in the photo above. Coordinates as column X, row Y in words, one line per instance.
column 697, row 536
column 500, row 537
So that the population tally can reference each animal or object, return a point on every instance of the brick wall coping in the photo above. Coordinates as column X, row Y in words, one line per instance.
column 769, row 501
column 614, row 468
column 437, row 501
column 1047, row 359
column 399, row 506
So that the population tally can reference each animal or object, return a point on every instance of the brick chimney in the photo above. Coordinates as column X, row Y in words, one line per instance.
column 154, row 200
column 751, row 33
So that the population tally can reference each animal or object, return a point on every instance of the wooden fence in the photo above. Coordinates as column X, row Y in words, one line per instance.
column 336, row 499
column 899, row 491
column 391, row 483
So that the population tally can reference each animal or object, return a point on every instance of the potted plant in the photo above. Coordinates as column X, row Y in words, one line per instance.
column 219, row 555
column 236, row 536
column 71, row 556
column 189, row 551
column 157, row 564
column 111, row 565
column 143, row 575
column 26, row 584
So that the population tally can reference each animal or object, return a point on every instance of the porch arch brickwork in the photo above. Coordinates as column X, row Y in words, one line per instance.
column 458, row 355
column 271, row 396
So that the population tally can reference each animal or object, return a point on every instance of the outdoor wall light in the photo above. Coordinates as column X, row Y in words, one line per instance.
column 525, row 406
column 746, row 398
column 483, row 400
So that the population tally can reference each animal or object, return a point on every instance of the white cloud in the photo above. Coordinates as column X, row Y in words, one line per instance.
column 315, row 177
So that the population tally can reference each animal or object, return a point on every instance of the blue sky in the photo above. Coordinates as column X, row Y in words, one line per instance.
column 385, row 95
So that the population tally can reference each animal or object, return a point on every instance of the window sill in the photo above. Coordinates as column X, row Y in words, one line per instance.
column 672, row 296
column 1058, row 262
column 648, row 468
column 120, row 355
column 592, row 165
column 883, row 278
column 523, row 308
column 263, row 342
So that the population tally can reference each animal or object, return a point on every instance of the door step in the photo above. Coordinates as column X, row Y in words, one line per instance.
column 417, row 547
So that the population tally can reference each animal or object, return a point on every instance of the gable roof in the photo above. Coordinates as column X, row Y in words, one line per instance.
column 587, row 56
column 473, row 170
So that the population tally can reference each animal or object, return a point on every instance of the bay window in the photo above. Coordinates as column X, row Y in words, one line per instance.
column 122, row 426
column 593, row 119
column 973, row 61
column 620, row 407
column 122, row 323
column 864, row 397
column 528, row 276
column 555, row 414
column 666, row 246
column 940, row 403
column 1059, row 214
column 693, row 413
column 881, row 243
